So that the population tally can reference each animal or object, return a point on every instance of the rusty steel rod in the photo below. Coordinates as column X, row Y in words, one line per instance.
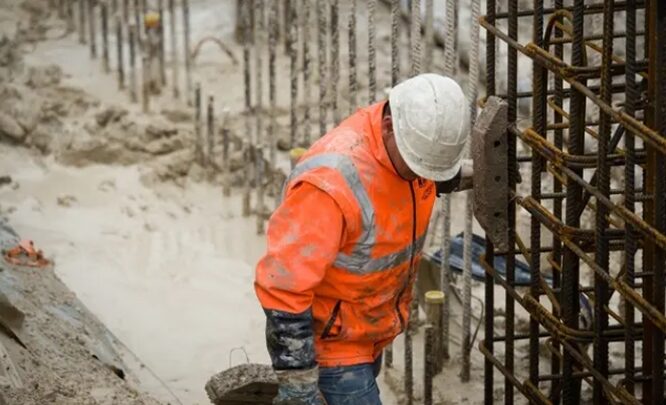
column 92, row 28
column 322, row 28
column 175, row 65
column 187, row 50
column 104, row 14
column 335, row 59
column 120, row 56
column 131, row 37
column 247, row 139
column 353, row 85
column 82, row 21
column 307, row 67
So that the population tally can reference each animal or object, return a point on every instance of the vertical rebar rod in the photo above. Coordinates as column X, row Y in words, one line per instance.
column 415, row 59
column 555, row 358
column 445, row 201
column 415, row 45
column 273, row 35
column 372, row 56
column 395, row 73
column 92, row 30
column 395, row 42
column 120, row 60
column 259, row 45
column 248, row 106
column 286, row 15
column 353, row 85
column 138, row 21
column 145, row 83
column 512, row 89
column 428, row 34
column 188, row 56
column 125, row 11
column 571, row 265
column 321, row 61
column 210, row 134
column 653, row 389
column 335, row 59
column 105, row 37
column 131, row 37
column 469, row 197
column 632, row 95
column 114, row 7
column 258, row 48
column 175, row 65
column 226, row 183
column 82, row 21
column 61, row 9
column 600, row 356
column 307, row 66
column 293, row 73
column 71, row 25
column 489, row 296
column 539, row 84
column 198, row 136
column 449, row 39
column 160, row 10
column 428, row 362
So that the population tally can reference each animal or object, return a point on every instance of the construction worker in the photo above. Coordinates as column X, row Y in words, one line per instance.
column 336, row 280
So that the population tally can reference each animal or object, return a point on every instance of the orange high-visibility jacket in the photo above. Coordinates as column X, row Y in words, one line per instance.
column 337, row 277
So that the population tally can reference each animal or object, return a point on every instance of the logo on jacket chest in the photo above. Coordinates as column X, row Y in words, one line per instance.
column 429, row 188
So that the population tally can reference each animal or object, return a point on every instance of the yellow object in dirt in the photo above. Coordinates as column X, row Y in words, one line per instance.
column 295, row 155
column 151, row 19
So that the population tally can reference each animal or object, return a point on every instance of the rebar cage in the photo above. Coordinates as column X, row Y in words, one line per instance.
column 594, row 195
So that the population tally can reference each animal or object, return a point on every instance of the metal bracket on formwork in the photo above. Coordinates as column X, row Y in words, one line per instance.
column 489, row 151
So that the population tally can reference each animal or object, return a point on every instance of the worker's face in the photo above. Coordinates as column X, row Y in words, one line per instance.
column 392, row 149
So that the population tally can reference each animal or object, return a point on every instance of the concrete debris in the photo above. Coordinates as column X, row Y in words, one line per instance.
column 43, row 76
column 11, row 129
column 107, row 186
column 177, row 116
column 4, row 180
column 110, row 114
column 67, row 200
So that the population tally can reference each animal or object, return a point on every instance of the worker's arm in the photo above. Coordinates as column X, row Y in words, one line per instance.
column 304, row 236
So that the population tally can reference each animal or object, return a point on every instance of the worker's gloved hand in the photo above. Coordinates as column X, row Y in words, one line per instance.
column 298, row 387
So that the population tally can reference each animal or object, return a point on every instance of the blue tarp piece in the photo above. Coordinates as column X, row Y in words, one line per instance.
column 522, row 271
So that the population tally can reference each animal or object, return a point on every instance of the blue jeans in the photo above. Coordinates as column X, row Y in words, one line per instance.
column 351, row 385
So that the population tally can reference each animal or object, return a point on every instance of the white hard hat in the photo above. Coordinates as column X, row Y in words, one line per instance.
column 431, row 125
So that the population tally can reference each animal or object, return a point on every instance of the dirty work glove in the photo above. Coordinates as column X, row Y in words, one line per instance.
column 298, row 387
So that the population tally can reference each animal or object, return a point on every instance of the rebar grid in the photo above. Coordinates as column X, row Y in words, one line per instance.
column 598, row 115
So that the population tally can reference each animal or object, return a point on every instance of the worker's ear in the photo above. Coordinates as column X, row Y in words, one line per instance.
column 387, row 125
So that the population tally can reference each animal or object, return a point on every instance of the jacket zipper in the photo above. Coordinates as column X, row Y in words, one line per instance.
column 411, row 258
column 331, row 320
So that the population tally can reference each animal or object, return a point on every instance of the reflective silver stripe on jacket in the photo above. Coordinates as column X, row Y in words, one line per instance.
column 359, row 260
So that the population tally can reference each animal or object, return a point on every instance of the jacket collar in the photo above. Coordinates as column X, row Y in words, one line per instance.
column 374, row 117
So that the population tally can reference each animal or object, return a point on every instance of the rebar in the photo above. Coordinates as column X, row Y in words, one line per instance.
column 125, row 11
column 293, row 73
column 186, row 48
column 199, row 154
column 259, row 44
column 145, row 84
column 372, row 56
column 247, row 154
column 120, row 57
column 131, row 38
column 335, row 59
column 105, row 37
column 322, row 64
column 71, row 24
column 273, row 35
column 428, row 37
column 353, row 85
column 469, row 199
column 395, row 42
column 415, row 38
column 82, row 21
column 92, row 30
column 564, row 325
column 138, row 22
column 160, row 11
column 307, row 66
column 210, row 135
column 175, row 65
column 226, row 164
